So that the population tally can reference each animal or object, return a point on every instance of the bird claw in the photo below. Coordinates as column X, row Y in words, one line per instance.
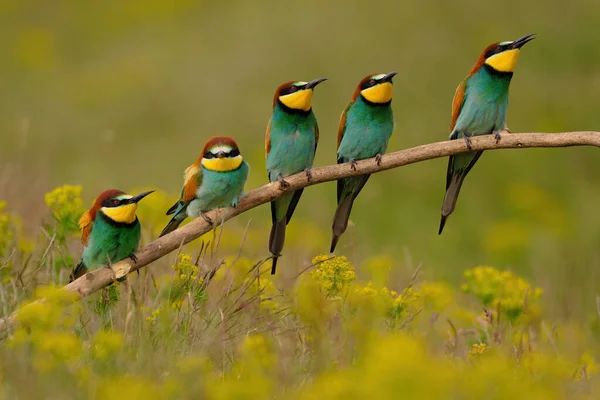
column 378, row 159
column 308, row 173
column 353, row 165
column 207, row 219
column 133, row 258
column 497, row 136
column 283, row 185
column 468, row 142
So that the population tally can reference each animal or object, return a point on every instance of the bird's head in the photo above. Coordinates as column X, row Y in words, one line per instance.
column 119, row 206
column 376, row 88
column 296, row 95
column 221, row 154
column 502, row 57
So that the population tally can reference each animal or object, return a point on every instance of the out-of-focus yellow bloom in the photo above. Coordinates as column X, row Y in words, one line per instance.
column 437, row 296
column 106, row 344
column 257, row 349
column 6, row 232
column 333, row 274
column 588, row 367
column 129, row 388
column 502, row 289
column 67, row 207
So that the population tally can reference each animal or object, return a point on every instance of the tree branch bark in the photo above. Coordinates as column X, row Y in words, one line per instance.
column 98, row 279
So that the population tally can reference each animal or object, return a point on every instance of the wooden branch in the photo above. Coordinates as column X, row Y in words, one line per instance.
column 99, row 278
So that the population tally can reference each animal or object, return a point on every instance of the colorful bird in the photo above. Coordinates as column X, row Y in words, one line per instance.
column 291, row 143
column 215, row 180
column 110, row 231
column 479, row 108
column 365, row 129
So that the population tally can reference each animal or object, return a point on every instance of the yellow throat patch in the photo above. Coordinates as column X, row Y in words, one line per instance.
column 300, row 100
column 222, row 164
column 123, row 214
column 381, row 93
column 505, row 61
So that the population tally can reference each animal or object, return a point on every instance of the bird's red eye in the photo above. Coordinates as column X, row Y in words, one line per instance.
column 293, row 89
column 372, row 82
column 115, row 202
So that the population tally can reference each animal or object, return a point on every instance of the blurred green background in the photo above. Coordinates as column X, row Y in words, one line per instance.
column 124, row 94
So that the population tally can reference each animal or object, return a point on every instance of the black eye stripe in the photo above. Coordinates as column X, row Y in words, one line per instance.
column 232, row 153
column 112, row 203
column 369, row 83
column 495, row 50
column 290, row 89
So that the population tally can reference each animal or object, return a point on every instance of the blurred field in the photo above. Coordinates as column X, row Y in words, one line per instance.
column 124, row 94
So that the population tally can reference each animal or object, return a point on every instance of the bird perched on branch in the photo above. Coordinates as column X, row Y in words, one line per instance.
column 479, row 108
column 110, row 231
column 364, row 131
column 290, row 143
column 215, row 180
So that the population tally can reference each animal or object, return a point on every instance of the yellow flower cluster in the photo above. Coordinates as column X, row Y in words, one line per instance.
column 67, row 207
column 186, row 283
column 6, row 232
column 334, row 274
column 476, row 350
column 495, row 288
column 392, row 304
column 153, row 316
column 185, row 269
column 46, row 329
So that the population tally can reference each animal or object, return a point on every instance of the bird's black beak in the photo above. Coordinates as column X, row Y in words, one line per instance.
column 520, row 42
column 220, row 154
column 388, row 77
column 140, row 196
column 314, row 83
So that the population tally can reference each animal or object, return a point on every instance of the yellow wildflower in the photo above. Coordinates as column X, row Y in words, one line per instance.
column 333, row 274
column 154, row 316
column 500, row 288
column 476, row 350
column 67, row 207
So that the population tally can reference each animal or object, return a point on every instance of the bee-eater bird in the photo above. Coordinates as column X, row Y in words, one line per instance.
column 110, row 231
column 479, row 108
column 365, row 129
column 215, row 180
column 290, row 143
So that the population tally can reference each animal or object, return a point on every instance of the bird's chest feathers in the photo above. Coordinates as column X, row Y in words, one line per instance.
column 109, row 239
column 370, row 120
column 487, row 88
column 367, row 132
column 486, row 102
column 214, row 181
column 293, row 139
